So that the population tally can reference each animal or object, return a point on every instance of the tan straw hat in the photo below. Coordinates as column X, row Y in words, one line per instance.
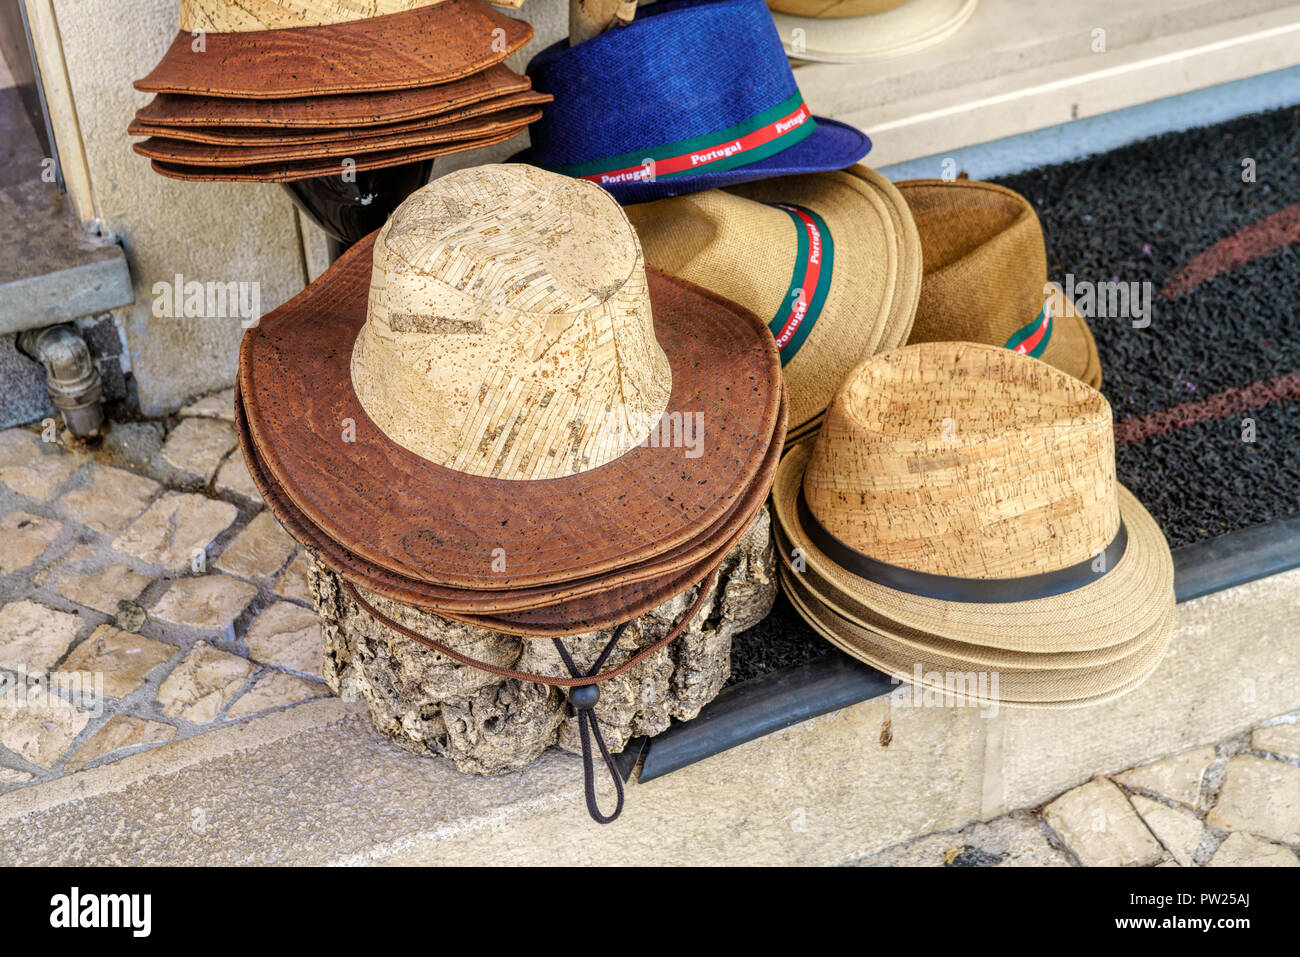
column 831, row 261
column 850, row 31
column 960, row 506
column 986, row 276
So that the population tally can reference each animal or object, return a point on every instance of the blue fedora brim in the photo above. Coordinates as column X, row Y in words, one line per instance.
column 831, row 146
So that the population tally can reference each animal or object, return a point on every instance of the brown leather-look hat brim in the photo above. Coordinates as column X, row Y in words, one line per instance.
column 405, row 514
column 343, row 110
column 289, row 171
column 186, row 153
column 398, row 51
column 572, row 609
column 265, row 136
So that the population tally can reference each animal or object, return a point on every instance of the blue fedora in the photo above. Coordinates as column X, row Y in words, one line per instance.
column 692, row 95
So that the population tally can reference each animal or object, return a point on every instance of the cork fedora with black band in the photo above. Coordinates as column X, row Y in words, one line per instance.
column 964, row 496
column 833, row 258
column 269, row 49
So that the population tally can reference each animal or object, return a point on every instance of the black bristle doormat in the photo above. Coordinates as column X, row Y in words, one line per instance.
column 1207, row 396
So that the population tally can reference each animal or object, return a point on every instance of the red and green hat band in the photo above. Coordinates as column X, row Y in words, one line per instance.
column 810, row 284
column 1032, row 339
column 762, row 135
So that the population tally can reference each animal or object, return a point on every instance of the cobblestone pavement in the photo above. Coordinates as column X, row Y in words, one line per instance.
column 1236, row 803
column 146, row 596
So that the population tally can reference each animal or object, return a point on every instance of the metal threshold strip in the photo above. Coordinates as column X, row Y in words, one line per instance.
column 778, row 700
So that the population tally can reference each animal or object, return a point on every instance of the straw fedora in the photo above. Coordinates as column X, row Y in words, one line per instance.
column 673, row 104
column 960, row 505
column 267, row 49
column 832, row 258
column 851, row 31
column 505, row 376
column 986, row 276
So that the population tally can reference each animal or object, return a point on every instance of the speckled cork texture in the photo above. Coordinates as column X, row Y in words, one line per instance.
column 490, row 88
column 511, row 303
column 430, row 523
column 570, row 608
column 492, row 112
column 417, row 48
column 288, row 171
column 290, row 149
column 239, row 16
column 977, row 463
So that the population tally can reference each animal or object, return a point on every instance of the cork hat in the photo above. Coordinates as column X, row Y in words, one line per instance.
column 851, row 31
column 498, row 376
column 269, row 49
column 960, row 505
column 986, row 276
column 832, row 260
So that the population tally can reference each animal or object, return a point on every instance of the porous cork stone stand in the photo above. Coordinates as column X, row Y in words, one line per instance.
column 491, row 725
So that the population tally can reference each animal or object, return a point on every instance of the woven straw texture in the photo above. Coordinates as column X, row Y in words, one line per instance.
column 987, row 464
column 1024, row 687
column 738, row 244
column 241, row 16
column 986, row 272
column 509, row 331
column 840, row 36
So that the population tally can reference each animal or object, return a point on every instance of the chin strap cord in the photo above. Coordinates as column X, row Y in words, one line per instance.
column 582, row 690
column 584, row 701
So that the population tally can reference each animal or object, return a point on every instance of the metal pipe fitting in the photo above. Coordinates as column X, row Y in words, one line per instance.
column 72, row 379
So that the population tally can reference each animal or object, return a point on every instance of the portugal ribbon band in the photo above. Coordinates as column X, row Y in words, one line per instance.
column 762, row 135
column 809, row 285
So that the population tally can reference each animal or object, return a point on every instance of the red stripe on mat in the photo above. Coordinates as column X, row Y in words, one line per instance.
column 1218, row 406
column 1250, row 242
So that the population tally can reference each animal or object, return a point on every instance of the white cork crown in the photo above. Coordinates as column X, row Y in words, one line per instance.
column 509, row 331
column 245, row 16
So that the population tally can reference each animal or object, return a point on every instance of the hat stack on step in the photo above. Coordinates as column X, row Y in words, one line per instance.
column 283, row 90
column 494, row 411
column 958, row 513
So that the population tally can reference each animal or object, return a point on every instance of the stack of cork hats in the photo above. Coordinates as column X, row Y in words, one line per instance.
column 958, row 515
column 493, row 410
column 283, row 90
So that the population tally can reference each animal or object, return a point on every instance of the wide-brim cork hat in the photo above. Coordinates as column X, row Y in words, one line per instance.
column 269, row 49
column 480, row 401
column 852, row 31
column 985, row 276
column 832, row 260
column 960, row 504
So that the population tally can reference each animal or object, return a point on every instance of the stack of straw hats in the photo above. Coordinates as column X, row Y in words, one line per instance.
column 851, row 31
column 958, row 515
column 284, row 90
column 494, row 411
